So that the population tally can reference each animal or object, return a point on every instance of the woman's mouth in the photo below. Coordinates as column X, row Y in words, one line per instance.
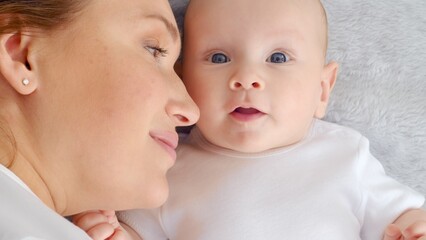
column 246, row 114
column 167, row 140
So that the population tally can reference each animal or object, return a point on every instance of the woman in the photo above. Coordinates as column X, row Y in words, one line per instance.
column 88, row 106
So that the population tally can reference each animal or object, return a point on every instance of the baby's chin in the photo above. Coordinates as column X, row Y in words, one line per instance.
column 250, row 141
column 259, row 144
column 250, row 147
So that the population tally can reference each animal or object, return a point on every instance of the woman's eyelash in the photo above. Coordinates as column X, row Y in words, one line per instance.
column 162, row 51
column 157, row 51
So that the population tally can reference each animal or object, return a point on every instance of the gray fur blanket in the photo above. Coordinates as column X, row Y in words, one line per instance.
column 381, row 89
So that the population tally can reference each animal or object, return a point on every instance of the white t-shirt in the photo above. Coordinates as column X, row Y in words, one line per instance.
column 23, row 216
column 328, row 186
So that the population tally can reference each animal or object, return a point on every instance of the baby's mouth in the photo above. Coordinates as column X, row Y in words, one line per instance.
column 242, row 110
column 242, row 114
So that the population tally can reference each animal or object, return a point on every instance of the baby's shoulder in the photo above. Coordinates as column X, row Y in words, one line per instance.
column 323, row 128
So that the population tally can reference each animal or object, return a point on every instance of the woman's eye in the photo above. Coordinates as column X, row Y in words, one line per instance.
column 278, row 57
column 157, row 51
column 219, row 58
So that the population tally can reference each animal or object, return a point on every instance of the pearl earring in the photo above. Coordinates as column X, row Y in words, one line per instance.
column 25, row 82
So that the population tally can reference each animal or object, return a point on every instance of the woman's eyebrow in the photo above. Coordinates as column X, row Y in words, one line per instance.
column 169, row 25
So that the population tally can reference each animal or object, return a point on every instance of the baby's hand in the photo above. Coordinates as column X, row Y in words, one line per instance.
column 100, row 225
column 416, row 231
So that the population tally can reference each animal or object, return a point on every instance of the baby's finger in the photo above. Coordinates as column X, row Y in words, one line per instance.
column 90, row 220
column 101, row 231
column 112, row 218
column 77, row 217
column 108, row 212
column 392, row 232
column 118, row 235
column 415, row 231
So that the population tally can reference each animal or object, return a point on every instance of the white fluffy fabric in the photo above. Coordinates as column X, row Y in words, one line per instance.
column 381, row 88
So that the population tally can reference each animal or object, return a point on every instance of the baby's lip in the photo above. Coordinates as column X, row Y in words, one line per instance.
column 249, row 110
column 246, row 114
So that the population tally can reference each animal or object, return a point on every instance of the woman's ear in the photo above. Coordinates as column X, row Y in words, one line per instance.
column 14, row 64
column 328, row 79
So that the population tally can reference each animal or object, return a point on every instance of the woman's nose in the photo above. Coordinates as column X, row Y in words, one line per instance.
column 181, row 108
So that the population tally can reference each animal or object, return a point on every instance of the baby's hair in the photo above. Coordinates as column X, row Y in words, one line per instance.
column 325, row 19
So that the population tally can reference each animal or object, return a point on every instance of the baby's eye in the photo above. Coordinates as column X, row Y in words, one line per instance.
column 219, row 58
column 278, row 57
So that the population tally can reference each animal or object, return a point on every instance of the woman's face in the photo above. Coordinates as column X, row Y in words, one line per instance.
column 107, row 104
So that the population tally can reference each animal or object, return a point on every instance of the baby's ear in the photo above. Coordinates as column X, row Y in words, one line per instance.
column 15, row 66
column 328, row 79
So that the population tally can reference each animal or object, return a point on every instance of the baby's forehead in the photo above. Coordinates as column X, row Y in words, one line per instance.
column 237, row 8
column 296, row 14
column 245, row 21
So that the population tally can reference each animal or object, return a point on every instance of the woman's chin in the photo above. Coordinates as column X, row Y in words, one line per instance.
column 157, row 195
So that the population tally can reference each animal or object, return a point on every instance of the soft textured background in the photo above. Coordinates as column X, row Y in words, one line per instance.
column 381, row 89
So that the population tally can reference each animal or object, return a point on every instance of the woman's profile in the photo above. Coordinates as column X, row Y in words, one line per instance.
column 89, row 102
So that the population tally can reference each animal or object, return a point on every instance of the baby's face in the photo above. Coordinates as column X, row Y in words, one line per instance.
column 256, row 70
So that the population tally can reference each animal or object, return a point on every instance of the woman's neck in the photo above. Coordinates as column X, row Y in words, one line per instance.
column 29, row 174
column 26, row 162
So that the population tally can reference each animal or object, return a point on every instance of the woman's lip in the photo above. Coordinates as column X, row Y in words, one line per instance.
column 168, row 140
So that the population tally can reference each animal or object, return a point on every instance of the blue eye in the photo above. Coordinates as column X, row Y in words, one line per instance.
column 278, row 57
column 219, row 58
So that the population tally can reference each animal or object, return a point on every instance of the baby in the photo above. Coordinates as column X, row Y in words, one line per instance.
column 260, row 164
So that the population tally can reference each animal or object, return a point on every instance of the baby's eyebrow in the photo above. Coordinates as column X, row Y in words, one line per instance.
column 172, row 29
